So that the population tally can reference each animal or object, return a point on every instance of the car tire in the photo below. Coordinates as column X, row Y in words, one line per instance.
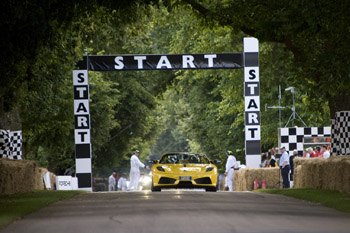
column 155, row 189
column 211, row 189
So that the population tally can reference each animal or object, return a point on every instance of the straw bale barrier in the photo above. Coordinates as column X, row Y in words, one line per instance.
column 244, row 178
column 18, row 176
column 320, row 173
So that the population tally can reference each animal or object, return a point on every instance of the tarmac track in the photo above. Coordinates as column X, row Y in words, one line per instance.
column 181, row 211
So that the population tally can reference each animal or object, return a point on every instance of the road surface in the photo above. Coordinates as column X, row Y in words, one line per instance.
column 181, row 211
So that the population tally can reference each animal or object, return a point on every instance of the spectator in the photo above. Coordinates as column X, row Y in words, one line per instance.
column 277, row 153
column 263, row 160
column 325, row 152
column 111, row 182
column 285, row 168
column 122, row 183
column 310, row 153
column 273, row 151
column 268, row 159
column 272, row 159
column 318, row 152
column 305, row 153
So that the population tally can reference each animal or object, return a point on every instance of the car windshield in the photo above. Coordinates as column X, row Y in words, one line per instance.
column 184, row 158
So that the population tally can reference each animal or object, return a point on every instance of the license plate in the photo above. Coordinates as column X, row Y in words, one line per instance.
column 185, row 178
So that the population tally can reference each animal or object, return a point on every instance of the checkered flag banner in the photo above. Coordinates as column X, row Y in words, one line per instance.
column 11, row 144
column 5, row 143
column 341, row 133
column 293, row 138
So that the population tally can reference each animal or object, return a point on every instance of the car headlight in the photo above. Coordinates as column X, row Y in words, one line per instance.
column 146, row 180
column 209, row 169
column 160, row 169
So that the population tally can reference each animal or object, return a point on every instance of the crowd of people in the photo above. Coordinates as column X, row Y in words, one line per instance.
column 114, row 186
column 270, row 159
column 279, row 157
column 322, row 152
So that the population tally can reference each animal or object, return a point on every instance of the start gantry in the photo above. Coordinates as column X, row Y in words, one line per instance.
column 164, row 62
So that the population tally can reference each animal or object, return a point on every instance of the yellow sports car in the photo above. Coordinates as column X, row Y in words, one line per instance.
column 184, row 170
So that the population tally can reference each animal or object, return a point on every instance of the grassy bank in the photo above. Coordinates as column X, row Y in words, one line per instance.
column 332, row 199
column 13, row 207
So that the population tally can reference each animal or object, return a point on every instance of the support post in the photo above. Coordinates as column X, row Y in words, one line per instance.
column 252, row 102
column 82, row 129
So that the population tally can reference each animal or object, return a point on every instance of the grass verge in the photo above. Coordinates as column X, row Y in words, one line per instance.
column 329, row 198
column 15, row 206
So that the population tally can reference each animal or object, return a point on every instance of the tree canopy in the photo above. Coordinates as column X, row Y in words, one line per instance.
column 316, row 32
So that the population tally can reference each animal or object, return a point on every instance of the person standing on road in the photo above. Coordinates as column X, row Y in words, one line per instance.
column 122, row 183
column 111, row 182
column 135, row 165
column 231, row 165
column 285, row 168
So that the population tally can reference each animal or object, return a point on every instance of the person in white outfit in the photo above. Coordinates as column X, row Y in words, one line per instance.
column 111, row 182
column 122, row 183
column 135, row 165
column 231, row 166
column 326, row 154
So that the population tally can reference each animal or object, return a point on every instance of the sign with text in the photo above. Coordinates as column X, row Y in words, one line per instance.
column 162, row 62
column 249, row 60
column 82, row 128
column 252, row 102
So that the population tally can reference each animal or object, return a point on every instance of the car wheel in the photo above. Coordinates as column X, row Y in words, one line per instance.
column 155, row 189
column 211, row 189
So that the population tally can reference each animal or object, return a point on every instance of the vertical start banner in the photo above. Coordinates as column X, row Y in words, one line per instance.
column 252, row 102
column 82, row 129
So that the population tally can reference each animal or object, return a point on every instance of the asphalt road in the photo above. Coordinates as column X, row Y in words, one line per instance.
column 181, row 211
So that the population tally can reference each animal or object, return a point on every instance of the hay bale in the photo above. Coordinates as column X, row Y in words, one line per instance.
column 18, row 176
column 244, row 178
column 299, row 161
column 298, row 181
column 345, row 167
column 340, row 173
column 239, row 183
column 319, row 173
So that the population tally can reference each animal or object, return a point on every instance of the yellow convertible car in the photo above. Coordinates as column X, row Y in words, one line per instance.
column 184, row 170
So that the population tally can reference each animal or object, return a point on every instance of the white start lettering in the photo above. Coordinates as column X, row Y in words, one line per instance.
column 165, row 62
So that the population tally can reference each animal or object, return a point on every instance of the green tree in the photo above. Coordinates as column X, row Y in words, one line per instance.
column 316, row 32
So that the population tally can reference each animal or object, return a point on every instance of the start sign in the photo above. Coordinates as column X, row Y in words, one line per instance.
column 249, row 60
column 164, row 62
column 252, row 102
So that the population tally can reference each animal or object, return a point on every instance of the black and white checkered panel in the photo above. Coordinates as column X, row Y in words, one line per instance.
column 293, row 138
column 16, row 144
column 334, row 140
column 5, row 141
column 342, row 133
column 11, row 144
